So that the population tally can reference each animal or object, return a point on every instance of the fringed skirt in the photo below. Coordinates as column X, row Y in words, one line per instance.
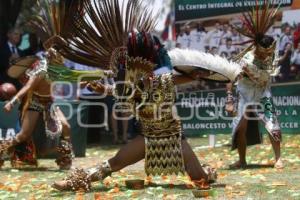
column 253, row 105
column 163, row 150
column 44, row 105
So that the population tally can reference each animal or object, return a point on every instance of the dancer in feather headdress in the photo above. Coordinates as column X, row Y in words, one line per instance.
column 123, row 42
column 254, row 101
column 35, row 97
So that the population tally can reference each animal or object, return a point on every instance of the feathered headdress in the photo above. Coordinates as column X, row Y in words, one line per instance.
column 56, row 19
column 257, row 22
column 100, row 35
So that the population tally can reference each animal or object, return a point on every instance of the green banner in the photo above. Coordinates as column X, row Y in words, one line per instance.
column 203, row 112
column 194, row 9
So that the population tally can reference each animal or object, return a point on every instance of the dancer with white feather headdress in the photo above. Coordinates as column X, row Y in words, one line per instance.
column 254, row 101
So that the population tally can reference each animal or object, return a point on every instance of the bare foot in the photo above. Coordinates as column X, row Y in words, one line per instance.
column 238, row 165
column 61, row 185
column 279, row 164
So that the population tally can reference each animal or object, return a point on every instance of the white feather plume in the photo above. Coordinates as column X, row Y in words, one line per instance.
column 186, row 60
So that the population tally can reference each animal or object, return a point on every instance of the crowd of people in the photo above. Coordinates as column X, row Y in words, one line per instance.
column 227, row 42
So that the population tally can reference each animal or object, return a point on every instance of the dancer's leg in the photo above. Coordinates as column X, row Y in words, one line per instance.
column 192, row 165
column 28, row 125
column 129, row 154
column 276, row 148
column 64, row 149
column 241, row 144
column 66, row 128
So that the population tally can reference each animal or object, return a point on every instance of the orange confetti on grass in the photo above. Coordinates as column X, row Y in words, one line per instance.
column 106, row 183
column 114, row 190
column 149, row 178
column 97, row 196
column 79, row 196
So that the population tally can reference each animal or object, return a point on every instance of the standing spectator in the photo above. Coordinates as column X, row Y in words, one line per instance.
column 285, row 38
column 198, row 38
column 9, row 51
column 186, row 38
column 295, row 60
column 285, row 62
column 228, row 48
column 236, row 39
column 297, row 36
column 275, row 33
column 215, row 36
column 227, row 33
column 179, row 40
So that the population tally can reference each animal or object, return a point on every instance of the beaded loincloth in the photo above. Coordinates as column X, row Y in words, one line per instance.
column 163, row 154
column 44, row 105
column 163, row 135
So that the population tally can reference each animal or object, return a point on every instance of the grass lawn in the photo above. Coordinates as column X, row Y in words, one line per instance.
column 259, row 181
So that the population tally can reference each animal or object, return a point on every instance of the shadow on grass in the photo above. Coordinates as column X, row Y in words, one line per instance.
column 102, row 188
column 33, row 169
column 252, row 166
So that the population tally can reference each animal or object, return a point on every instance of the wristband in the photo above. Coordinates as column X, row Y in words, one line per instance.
column 14, row 101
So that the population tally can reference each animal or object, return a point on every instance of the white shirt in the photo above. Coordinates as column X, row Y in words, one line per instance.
column 226, row 35
column 226, row 49
column 186, row 41
column 198, row 40
column 283, row 40
column 13, row 48
column 215, row 38
column 180, row 40
column 296, row 57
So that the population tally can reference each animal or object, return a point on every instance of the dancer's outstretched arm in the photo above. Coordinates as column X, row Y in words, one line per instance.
column 31, row 84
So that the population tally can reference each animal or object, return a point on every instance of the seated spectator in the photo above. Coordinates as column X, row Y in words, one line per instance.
column 9, row 51
column 228, row 48
column 224, row 54
column 214, row 51
column 233, row 55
